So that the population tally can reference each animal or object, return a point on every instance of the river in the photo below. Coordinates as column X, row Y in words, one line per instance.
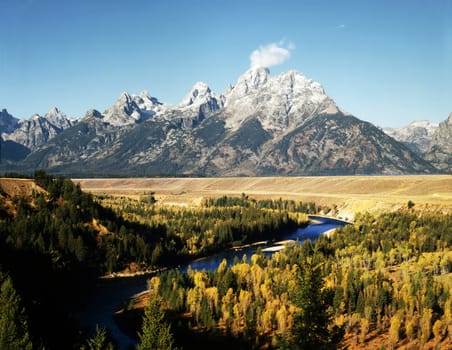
column 111, row 294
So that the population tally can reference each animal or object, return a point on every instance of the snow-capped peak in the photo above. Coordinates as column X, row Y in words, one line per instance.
column 129, row 109
column 123, row 99
column 279, row 102
column 200, row 93
column 125, row 111
column 147, row 103
column 252, row 79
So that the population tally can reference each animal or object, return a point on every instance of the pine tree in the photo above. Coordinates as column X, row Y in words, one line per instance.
column 100, row 341
column 155, row 333
column 13, row 323
column 311, row 323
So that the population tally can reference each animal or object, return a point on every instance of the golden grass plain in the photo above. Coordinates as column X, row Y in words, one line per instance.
column 350, row 194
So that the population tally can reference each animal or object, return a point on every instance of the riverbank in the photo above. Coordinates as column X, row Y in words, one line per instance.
column 119, row 292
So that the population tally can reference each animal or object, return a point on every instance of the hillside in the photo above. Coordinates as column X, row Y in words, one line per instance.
column 18, row 187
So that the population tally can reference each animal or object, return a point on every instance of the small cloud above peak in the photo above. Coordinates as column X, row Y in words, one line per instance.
column 271, row 55
column 340, row 26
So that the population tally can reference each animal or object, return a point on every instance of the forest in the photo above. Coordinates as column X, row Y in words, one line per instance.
column 388, row 275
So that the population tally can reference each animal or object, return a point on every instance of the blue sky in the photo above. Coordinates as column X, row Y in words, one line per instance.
column 388, row 62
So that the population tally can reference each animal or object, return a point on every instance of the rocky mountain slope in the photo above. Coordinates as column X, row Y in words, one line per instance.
column 7, row 122
column 440, row 151
column 22, row 136
column 417, row 135
column 263, row 125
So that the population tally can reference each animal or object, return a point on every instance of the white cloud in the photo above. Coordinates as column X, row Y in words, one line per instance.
column 340, row 26
column 270, row 55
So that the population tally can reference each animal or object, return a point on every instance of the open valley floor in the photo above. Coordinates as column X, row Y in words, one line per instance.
column 350, row 194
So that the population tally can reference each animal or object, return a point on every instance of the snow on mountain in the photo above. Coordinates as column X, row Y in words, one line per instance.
column 199, row 102
column 280, row 102
column 38, row 130
column 264, row 125
column 416, row 135
column 148, row 105
column 124, row 111
column 132, row 109
column 200, row 93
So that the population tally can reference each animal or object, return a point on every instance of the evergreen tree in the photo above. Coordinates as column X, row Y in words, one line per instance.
column 311, row 323
column 155, row 333
column 13, row 323
column 100, row 341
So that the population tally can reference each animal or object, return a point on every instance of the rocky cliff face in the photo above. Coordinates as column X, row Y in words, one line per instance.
column 440, row 151
column 7, row 122
column 263, row 125
column 417, row 135
column 22, row 136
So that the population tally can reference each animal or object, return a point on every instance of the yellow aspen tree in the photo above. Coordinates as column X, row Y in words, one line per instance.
column 244, row 304
column 200, row 279
column 266, row 321
column 438, row 330
column 194, row 298
column 394, row 330
column 254, row 259
column 242, row 271
column 257, row 275
column 266, row 290
column 237, row 320
column 222, row 267
column 411, row 326
column 281, row 320
column 154, row 284
column 364, row 324
column 447, row 317
column 227, row 303
column 425, row 325
column 212, row 297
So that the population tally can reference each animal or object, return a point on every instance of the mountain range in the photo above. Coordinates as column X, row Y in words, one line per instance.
column 263, row 125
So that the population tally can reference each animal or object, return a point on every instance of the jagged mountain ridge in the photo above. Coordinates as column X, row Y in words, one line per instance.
column 37, row 130
column 281, row 102
column 22, row 136
column 417, row 135
column 264, row 125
